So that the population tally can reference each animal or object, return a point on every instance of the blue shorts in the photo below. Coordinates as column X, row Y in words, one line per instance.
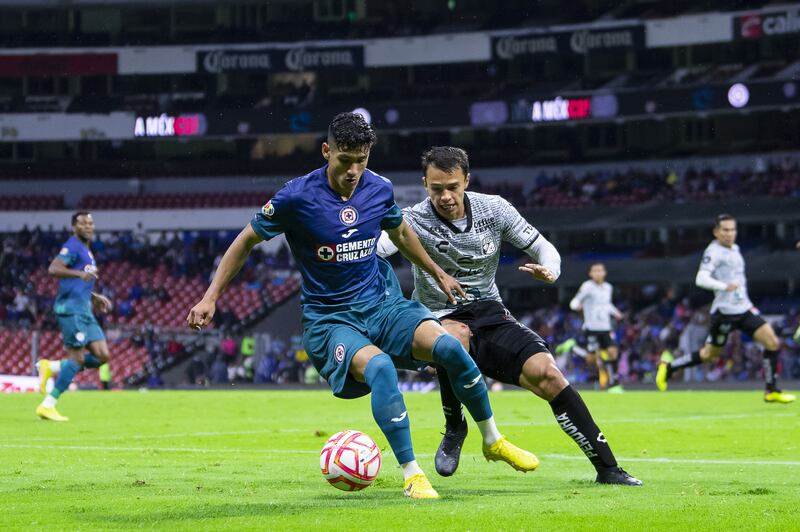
column 79, row 330
column 332, row 334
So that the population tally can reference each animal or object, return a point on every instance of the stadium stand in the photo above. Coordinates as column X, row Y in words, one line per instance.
column 150, row 286
column 173, row 201
column 31, row 203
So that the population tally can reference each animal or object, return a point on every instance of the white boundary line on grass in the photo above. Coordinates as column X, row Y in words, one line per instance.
column 548, row 423
column 654, row 460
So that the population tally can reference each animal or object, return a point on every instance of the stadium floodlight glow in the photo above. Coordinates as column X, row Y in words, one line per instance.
column 363, row 112
column 738, row 95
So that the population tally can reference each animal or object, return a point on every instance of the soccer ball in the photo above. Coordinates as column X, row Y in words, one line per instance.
column 350, row 460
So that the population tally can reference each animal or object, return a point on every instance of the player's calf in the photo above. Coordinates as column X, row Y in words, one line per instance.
column 388, row 407
column 574, row 418
column 465, row 377
column 470, row 388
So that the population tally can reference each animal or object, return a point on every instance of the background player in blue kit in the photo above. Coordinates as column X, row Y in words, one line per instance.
column 357, row 328
column 77, row 272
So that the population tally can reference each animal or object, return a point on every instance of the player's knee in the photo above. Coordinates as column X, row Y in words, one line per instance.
column 76, row 355
column 710, row 352
column 541, row 368
column 450, row 354
column 772, row 343
column 380, row 369
column 459, row 331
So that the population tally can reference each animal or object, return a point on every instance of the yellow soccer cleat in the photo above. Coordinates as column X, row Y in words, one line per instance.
column 44, row 371
column 778, row 397
column 505, row 451
column 616, row 389
column 419, row 487
column 49, row 413
column 661, row 377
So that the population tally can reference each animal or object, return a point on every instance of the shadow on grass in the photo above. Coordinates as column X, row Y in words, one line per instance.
column 368, row 501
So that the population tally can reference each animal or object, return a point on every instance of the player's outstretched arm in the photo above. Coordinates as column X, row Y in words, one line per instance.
column 229, row 266
column 547, row 267
column 60, row 270
column 409, row 245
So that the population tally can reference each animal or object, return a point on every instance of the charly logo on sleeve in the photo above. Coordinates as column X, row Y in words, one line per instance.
column 268, row 210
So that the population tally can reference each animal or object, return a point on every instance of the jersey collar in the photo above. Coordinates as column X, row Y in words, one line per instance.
column 446, row 222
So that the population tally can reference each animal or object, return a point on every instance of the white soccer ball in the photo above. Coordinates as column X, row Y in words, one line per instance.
column 350, row 460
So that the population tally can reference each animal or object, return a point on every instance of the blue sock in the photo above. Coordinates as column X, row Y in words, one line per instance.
column 90, row 361
column 388, row 407
column 465, row 376
column 69, row 368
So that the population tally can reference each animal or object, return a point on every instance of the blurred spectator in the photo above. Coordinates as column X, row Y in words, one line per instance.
column 219, row 371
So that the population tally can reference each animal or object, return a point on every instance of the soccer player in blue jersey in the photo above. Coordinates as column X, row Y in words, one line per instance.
column 357, row 327
column 83, row 338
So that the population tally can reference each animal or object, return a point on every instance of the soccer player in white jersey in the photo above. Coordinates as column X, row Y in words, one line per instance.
column 722, row 270
column 463, row 231
column 594, row 299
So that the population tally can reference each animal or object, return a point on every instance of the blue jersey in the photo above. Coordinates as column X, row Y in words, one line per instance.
column 333, row 240
column 75, row 295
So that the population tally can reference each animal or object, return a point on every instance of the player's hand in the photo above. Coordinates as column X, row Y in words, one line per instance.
column 537, row 271
column 201, row 314
column 102, row 303
column 88, row 276
column 731, row 287
column 448, row 285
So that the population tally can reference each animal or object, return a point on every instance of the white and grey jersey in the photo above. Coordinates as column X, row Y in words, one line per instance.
column 721, row 266
column 471, row 253
column 595, row 300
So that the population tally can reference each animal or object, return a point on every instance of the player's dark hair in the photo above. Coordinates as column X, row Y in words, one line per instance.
column 350, row 131
column 79, row 213
column 446, row 159
column 722, row 218
column 592, row 265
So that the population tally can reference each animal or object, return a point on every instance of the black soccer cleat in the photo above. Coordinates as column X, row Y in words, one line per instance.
column 617, row 475
column 449, row 451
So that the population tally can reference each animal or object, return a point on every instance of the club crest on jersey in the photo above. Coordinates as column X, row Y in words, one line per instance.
column 487, row 245
column 338, row 353
column 268, row 210
column 348, row 215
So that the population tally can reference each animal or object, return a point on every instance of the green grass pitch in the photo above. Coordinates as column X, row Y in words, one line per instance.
column 244, row 460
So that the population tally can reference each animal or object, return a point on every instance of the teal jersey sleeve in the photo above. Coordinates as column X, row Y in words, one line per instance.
column 275, row 216
column 67, row 255
column 393, row 218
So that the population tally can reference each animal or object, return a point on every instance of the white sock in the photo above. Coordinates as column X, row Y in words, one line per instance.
column 488, row 431
column 49, row 401
column 410, row 469
column 55, row 366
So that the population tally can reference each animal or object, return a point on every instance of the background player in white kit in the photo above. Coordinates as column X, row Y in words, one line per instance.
column 462, row 232
column 594, row 299
column 722, row 270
